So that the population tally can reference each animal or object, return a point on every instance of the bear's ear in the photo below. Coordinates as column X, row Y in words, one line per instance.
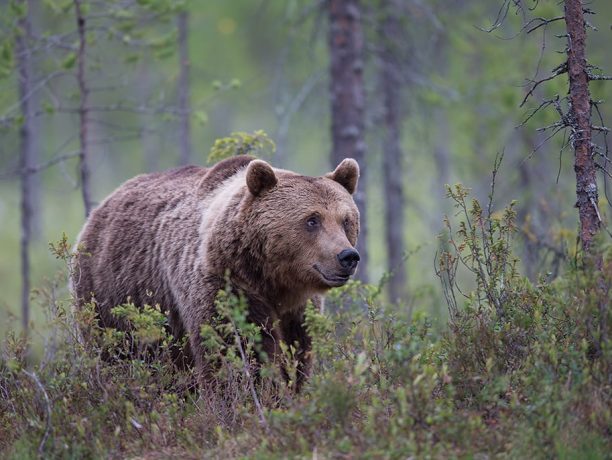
column 346, row 174
column 260, row 177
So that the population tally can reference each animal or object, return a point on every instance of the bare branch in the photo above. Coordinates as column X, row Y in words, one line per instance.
column 543, row 105
column 502, row 13
column 6, row 117
column 559, row 70
column 595, row 105
column 40, row 386
column 294, row 106
column 594, row 77
column 247, row 373
column 38, row 168
column 529, row 27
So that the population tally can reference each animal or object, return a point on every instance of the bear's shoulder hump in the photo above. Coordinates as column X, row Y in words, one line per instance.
column 222, row 171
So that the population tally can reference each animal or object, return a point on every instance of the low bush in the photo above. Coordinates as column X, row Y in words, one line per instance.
column 522, row 370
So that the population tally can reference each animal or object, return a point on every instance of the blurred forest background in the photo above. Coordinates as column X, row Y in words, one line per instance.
column 146, row 85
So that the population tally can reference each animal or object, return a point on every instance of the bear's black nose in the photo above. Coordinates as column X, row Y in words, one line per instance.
column 348, row 259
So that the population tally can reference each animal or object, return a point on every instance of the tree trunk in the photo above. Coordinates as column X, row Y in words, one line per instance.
column 442, row 157
column 389, row 33
column 526, row 216
column 36, row 141
column 347, row 102
column 150, row 140
column 580, row 114
column 26, row 160
column 83, row 109
column 183, row 89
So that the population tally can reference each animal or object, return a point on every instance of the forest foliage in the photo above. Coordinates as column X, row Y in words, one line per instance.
column 523, row 369
column 459, row 105
column 498, row 343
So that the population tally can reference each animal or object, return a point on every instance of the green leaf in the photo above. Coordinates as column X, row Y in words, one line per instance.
column 132, row 58
column 6, row 54
column 69, row 61
column 67, row 6
column 48, row 107
column 241, row 143
column 19, row 9
column 201, row 116
column 164, row 54
column 123, row 14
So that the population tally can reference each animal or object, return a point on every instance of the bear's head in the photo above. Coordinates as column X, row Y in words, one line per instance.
column 302, row 230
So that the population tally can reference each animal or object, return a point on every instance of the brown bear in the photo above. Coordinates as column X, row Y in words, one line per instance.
column 173, row 238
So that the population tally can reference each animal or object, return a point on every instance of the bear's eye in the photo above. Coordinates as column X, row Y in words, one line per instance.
column 346, row 223
column 313, row 222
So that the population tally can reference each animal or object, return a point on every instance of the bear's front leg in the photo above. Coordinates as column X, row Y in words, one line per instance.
column 205, row 372
column 294, row 333
column 289, row 328
column 198, row 309
column 263, row 316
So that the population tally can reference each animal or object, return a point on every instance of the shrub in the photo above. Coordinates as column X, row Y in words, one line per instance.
column 522, row 370
column 535, row 359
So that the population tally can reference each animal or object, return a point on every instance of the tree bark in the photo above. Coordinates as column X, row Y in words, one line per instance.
column 150, row 140
column 389, row 33
column 526, row 216
column 442, row 156
column 580, row 115
column 184, row 89
column 24, row 67
column 347, row 102
column 83, row 109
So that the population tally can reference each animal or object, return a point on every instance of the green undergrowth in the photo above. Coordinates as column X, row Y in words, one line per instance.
column 523, row 370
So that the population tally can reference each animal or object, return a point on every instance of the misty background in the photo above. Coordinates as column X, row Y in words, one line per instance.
column 165, row 79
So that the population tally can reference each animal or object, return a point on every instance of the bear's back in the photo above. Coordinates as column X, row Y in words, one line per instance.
column 129, row 238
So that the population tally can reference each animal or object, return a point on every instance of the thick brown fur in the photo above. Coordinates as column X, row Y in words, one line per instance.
column 170, row 239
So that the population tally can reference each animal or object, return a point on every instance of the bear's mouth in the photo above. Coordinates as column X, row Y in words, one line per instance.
column 335, row 280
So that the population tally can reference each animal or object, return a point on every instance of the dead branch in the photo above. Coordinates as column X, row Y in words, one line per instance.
column 559, row 70
column 38, row 168
column 502, row 13
column 40, row 386
column 4, row 119
column 543, row 105
column 529, row 27
column 249, row 377
column 594, row 77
